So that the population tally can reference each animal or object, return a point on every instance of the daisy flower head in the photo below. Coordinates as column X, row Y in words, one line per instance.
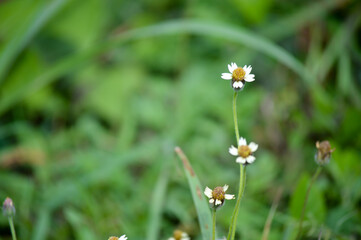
column 217, row 196
column 238, row 75
column 179, row 235
column 244, row 152
column 123, row 237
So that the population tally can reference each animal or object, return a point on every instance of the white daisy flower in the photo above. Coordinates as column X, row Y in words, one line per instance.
column 217, row 196
column 123, row 237
column 179, row 235
column 244, row 151
column 238, row 75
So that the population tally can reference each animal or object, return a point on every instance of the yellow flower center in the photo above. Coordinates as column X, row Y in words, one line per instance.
column 218, row 193
column 177, row 235
column 244, row 151
column 238, row 74
column 113, row 238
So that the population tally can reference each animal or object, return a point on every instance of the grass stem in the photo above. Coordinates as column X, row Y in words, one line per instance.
column 214, row 224
column 235, row 116
column 242, row 184
column 12, row 228
column 314, row 177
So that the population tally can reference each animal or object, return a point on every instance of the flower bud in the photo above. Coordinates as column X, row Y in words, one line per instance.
column 323, row 153
column 8, row 207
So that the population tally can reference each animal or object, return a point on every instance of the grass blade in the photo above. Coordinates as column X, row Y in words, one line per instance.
column 202, row 207
column 233, row 34
column 26, row 33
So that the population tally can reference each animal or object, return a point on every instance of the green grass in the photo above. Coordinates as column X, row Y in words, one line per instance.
column 94, row 97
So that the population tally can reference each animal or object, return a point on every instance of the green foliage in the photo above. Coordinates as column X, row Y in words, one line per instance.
column 95, row 96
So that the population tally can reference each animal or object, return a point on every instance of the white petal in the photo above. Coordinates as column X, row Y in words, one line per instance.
column 226, row 76
column 225, row 187
column 218, row 202
column 233, row 67
column 185, row 238
column 250, row 159
column 238, row 84
column 211, row 200
column 230, row 68
column 171, row 238
column 253, row 146
column 208, row 192
column 123, row 237
column 232, row 150
column 184, row 234
column 249, row 78
column 229, row 196
column 241, row 160
column 242, row 141
column 247, row 69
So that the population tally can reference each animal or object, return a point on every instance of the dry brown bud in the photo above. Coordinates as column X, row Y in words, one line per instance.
column 323, row 153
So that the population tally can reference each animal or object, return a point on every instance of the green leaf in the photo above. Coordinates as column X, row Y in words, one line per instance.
column 26, row 31
column 202, row 207
column 315, row 209
column 233, row 34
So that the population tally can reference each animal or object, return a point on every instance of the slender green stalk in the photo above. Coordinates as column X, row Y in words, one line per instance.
column 235, row 115
column 214, row 224
column 242, row 184
column 242, row 177
column 314, row 177
column 12, row 228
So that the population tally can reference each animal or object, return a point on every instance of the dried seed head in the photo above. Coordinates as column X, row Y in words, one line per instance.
column 323, row 153
column 8, row 207
column 218, row 194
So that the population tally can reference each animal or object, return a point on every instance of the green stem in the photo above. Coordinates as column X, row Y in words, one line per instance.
column 214, row 223
column 314, row 177
column 12, row 228
column 242, row 184
column 235, row 115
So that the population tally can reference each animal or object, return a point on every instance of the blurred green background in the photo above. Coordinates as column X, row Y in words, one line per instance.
column 95, row 95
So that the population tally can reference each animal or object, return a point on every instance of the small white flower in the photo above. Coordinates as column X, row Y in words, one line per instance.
column 238, row 75
column 244, row 151
column 123, row 237
column 217, row 195
column 179, row 235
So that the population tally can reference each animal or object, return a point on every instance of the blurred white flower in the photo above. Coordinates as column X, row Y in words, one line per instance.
column 238, row 75
column 179, row 235
column 218, row 195
column 244, row 151
column 123, row 237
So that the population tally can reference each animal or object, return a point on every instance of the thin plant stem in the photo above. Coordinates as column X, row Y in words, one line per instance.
column 242, row 184
column 12, row 228
column 214, row 223
column 235, row 116
column 242, row 177
column 267, row 226
column 314, row 177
